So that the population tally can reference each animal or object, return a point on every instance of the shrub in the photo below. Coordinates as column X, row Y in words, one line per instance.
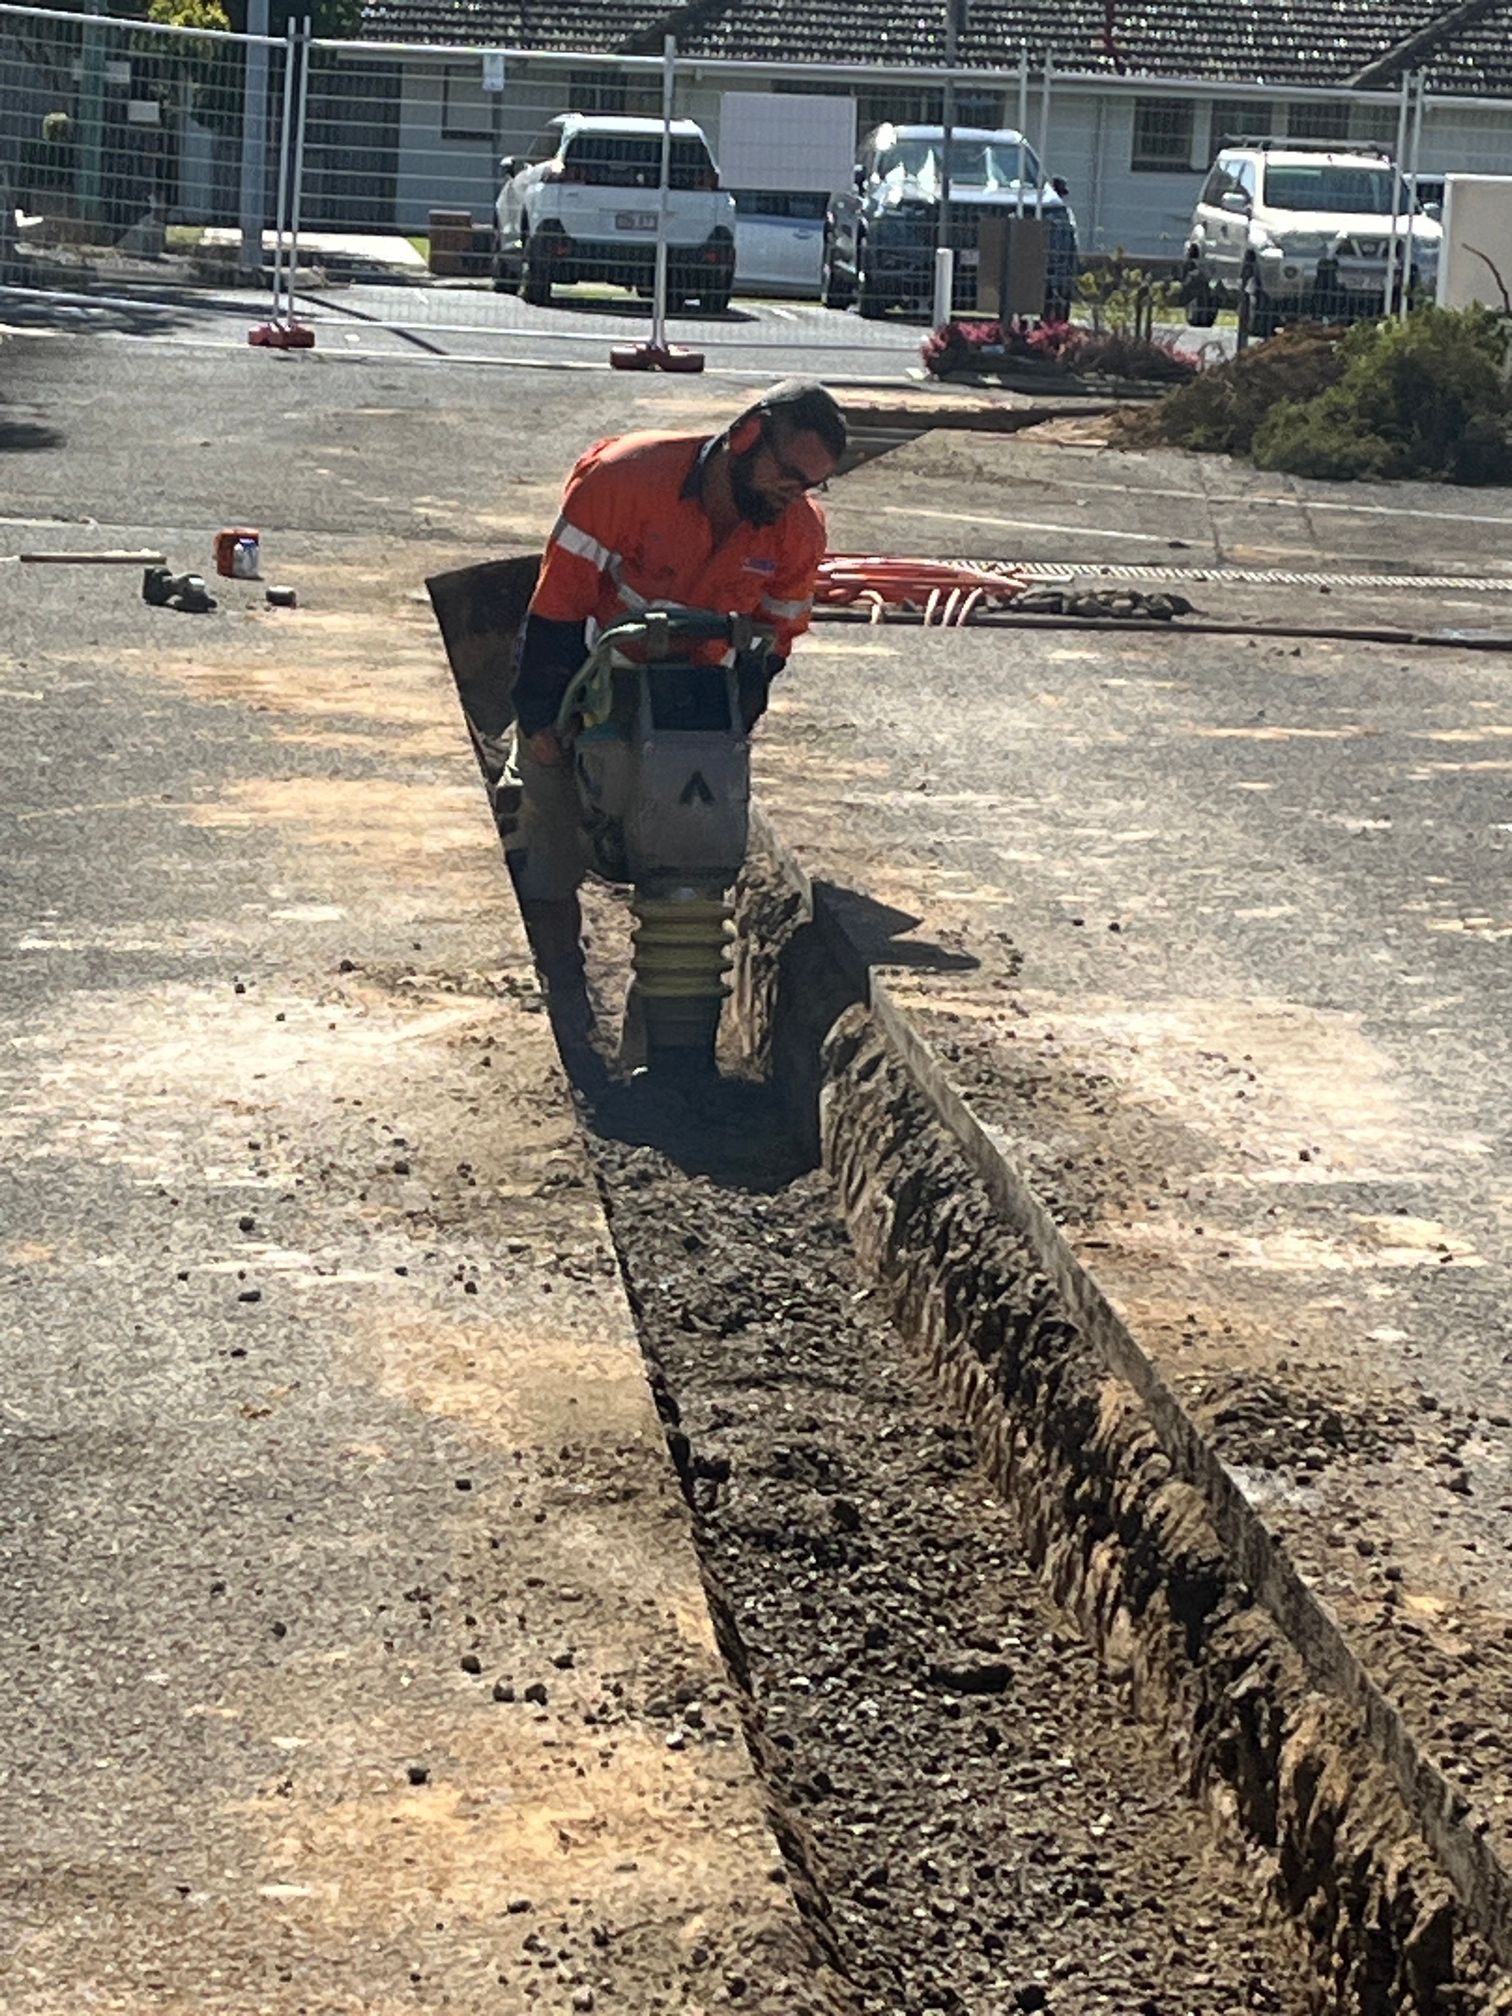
column 1429, row 397
column 1113, row 354
column 1124, row 300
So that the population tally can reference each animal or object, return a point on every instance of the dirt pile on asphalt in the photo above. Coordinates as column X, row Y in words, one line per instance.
column 1219, row 411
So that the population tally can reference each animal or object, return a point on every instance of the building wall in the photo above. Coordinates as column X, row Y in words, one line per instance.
column 440, row 172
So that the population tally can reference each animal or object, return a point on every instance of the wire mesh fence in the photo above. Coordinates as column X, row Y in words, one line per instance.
column 121, row 141
column 127, row 142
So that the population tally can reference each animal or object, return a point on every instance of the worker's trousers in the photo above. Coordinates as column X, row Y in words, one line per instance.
column 548, row 856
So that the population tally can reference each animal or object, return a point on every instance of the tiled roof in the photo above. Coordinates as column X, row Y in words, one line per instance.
column 594, row 26
column 1449, row 40
column 1264, row 41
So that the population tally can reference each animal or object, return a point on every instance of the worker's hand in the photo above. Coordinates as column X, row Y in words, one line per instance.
column 544, row 747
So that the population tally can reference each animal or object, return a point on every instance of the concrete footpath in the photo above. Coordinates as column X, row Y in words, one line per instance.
column 357, row 1653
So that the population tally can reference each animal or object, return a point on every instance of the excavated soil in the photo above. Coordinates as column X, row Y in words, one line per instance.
column 972, row 1820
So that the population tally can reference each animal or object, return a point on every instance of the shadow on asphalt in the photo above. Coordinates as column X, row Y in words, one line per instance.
column 21, row 308
column 25, row 437
column 627, row 308
column 878, row 932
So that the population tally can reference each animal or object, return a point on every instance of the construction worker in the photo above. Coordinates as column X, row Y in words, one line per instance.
column 725, row 522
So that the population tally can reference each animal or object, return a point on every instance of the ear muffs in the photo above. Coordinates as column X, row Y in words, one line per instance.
column 747, row 434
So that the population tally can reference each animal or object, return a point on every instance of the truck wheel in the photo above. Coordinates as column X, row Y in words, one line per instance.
column 1259, row 317
column 835, row 291
column 871, row 302
column 505, row 280
column 535, row 278
column 1197, row 297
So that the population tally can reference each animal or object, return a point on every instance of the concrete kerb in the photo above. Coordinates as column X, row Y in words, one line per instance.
column 924, row 408
column 1375, row 1892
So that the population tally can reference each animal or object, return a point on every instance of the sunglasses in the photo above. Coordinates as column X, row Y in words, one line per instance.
column 790, row 472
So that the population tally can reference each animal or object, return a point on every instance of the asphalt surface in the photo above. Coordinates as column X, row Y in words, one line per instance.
column 354, row 1642
column 1215, row 930
column 1305, row 857
column 471, row 324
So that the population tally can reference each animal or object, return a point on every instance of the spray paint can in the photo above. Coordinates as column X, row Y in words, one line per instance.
column 236, row 553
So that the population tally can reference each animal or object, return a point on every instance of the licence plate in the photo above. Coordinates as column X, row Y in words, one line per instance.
column 635, row 220
column 970, row 258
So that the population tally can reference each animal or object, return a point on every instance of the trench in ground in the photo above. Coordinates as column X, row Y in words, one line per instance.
column 973, row 1820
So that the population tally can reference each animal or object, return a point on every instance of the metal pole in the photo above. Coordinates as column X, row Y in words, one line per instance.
column 285, row 139
column 1044, row 127
column 254, row 147
column 1023, row 121
column 1416, row 158
column 91, row 172
column 1398, row 164
column 299, row 156
column 659, row 284
column 944, row 286
column 947, row 140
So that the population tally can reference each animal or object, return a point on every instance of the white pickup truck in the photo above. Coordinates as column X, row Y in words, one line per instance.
column 582, row 205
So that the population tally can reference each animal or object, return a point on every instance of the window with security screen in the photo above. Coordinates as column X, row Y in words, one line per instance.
column 466, row 108
column 926, row 107
column 1327, row 119
column 1163, row 134
column 596, row 91
column 1236, row 119
column 1374, row 122
column 604, row 89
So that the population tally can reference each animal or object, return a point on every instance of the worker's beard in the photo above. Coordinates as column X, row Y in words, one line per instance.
column 753, row 505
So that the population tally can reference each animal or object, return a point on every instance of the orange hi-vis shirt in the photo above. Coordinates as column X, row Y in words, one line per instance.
column 633, row 531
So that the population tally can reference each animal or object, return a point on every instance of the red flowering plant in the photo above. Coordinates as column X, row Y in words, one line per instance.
column 985, row 346
column 1064, row 347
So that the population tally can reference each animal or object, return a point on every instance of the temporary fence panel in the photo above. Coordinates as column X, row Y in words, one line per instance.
column 126, row 140
column 398, row 132
column 450, row 121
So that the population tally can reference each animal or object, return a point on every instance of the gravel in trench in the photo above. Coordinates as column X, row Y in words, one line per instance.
column 989, row 1829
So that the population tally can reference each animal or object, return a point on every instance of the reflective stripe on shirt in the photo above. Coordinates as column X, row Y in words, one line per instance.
column 789, row 612
column 584, row 547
